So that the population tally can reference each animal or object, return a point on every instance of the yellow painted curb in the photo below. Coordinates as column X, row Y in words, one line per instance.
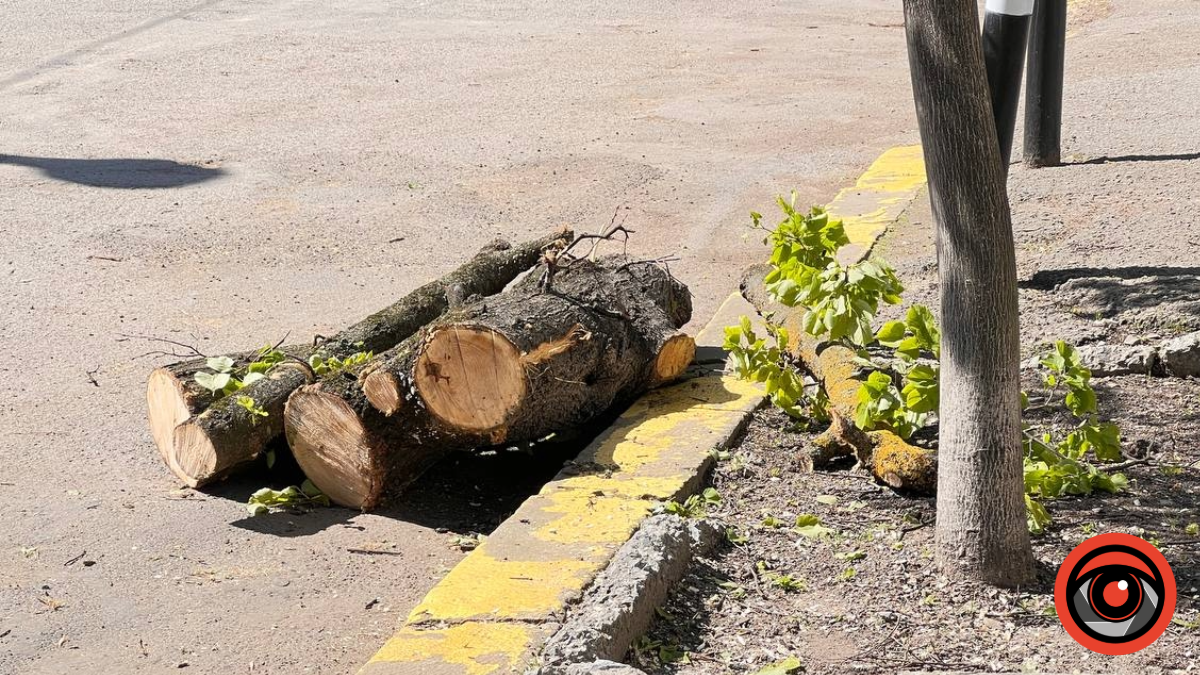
column 880, row 196
column 493, row 612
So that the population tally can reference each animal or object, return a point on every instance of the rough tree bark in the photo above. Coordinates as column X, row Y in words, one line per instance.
column 891, row 459
column 981, row 530
column 510, row 368
column 203, row 440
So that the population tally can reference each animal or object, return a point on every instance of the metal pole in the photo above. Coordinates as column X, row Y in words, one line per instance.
column 1005, row 33
column 1044, row 85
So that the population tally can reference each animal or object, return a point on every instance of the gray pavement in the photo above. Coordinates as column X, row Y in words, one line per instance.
column 224, row 172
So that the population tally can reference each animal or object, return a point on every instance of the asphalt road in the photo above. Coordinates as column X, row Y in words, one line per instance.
column 225, row 172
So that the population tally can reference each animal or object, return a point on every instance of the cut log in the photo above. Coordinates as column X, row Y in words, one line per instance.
column 203, row 440
column 892, row 460
column 512, row 368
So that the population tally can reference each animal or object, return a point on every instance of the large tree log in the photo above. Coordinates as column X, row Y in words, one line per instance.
column 891, row 459
column 511, row 368
column 202, row 439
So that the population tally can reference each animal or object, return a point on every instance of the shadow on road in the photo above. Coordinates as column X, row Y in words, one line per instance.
column 1176, row 157
column 471, row 491
column 1046, row 280
column 126, row 174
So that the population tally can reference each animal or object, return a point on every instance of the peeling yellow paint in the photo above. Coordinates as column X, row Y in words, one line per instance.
column 482, row 586
column 478, row 648
column 880, row 195
column 695, row 412
column 590, row 518
column 629, row 487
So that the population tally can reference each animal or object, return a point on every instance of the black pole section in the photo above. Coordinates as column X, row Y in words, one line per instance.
column 1044, row 85
column 1005, row 33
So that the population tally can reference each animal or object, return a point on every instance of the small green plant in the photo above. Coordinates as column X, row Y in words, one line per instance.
column 840, row 302
column 223, row 379
column 327, row 365
column 770, row 521
column 788, row 583
column 847, row 574
column 252, row 407
column 809, row 526
column 696, row 506
column 466, row 542
column 1055, row 467
column 267, row 500
column 759, row 359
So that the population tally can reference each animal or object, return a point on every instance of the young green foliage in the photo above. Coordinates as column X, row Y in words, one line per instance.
column 696, row 506
column 840, row 302
column 840, row 305
column 223, row 379
column 267, row 500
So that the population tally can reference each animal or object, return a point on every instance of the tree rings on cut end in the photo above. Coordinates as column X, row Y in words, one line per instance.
column 470, row 378
column 332, row 447
column 167, row 404
column 382, row 389
column 193, row 455
column 673, row 359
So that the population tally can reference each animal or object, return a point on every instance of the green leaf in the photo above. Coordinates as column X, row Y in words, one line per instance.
column 1105, row 440
column 214, row 382
column 788, row 666
column 1081, row 399
column 827, row 500
column 924, row 328
column 221, row 364
column 808, row 525
column 909, row 349
column 891, row 334
column 1037, row 517
column 251, row 378
column 252, row 407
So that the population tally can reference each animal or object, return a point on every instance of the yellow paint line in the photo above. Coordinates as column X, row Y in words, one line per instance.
column 878, row 198
column 485, row 587
column 465, row 649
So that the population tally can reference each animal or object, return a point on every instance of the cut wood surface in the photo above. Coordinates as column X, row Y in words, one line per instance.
column 511, row 368
column 892, row 460
column 202, row 439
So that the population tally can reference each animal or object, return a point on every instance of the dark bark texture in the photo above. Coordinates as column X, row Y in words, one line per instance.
column 981, row 530
column 511, row 368
column 221, row 435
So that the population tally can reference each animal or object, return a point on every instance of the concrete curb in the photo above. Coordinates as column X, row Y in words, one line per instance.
column 494, row 612
column 621, row 603
column 508, row 600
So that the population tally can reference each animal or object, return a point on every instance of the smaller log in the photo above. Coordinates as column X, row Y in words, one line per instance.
column 203, row 440
column 511, row 368
column 892, row 460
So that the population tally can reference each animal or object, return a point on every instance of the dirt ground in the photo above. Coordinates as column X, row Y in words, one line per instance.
column 1108, row 250
column 225, row 172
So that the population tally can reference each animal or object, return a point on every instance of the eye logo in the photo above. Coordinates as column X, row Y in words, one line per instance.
column 1115, row 594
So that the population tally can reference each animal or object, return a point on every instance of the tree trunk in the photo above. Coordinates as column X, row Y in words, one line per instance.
column 202, row 439
column 511, row 368
column 981, row 531
column 891, row 459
